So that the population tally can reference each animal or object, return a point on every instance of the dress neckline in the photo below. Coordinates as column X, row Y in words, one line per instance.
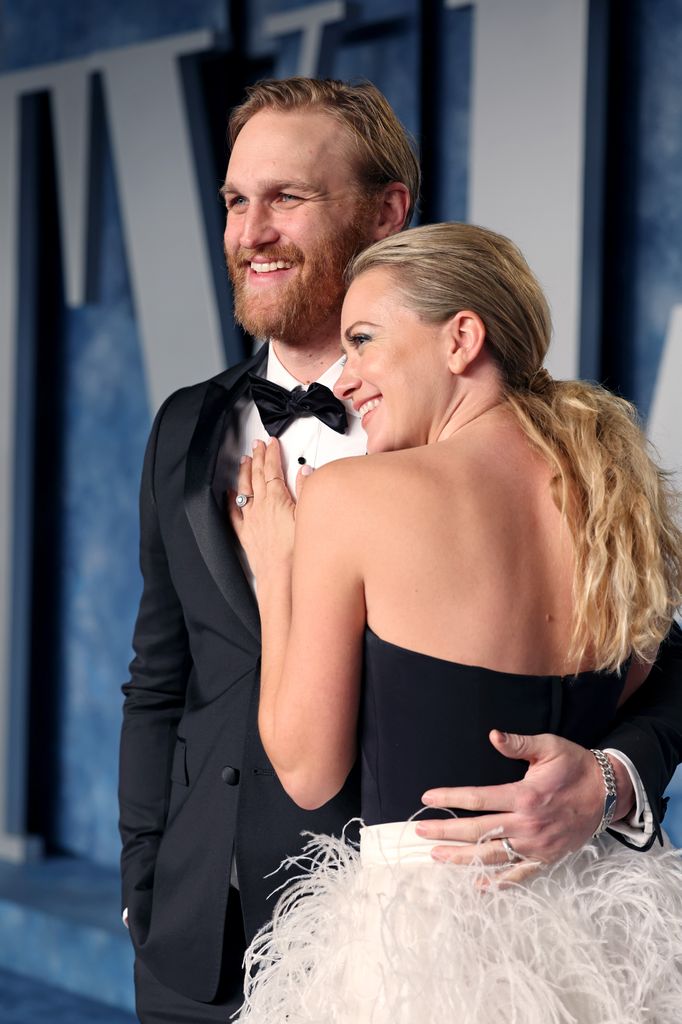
column 517, row 676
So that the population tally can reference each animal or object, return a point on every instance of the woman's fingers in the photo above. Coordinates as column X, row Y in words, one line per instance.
column 272, row 463
column 234, row 512
column 244, row 476
column 302, row 475
column 236, row 502
column 268, row 473
column 275, row 483
column 258, row 470
column 262, row 474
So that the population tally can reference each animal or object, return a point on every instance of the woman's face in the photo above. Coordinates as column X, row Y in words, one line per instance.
column 396, row 371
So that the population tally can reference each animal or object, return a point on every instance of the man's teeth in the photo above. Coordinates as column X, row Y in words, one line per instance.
column 267, row 268
column 372, row 404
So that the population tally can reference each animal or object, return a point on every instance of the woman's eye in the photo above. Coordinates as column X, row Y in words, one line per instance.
column 359, row 339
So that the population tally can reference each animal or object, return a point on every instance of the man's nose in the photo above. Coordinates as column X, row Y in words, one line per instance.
column 257, row 227
column 347, row 384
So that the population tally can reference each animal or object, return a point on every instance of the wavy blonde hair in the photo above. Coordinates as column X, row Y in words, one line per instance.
column 620, row 507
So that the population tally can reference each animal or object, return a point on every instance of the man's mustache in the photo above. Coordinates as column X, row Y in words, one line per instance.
column 289, row 253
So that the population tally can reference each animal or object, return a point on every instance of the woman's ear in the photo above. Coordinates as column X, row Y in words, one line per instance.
column 465, row 335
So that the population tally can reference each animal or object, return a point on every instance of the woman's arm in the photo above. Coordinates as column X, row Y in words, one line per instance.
column 311, row 601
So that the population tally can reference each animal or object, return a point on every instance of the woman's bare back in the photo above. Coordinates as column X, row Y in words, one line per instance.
column 464, row 554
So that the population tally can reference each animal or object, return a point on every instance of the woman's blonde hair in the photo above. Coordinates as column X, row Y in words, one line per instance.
column 620, row 507
column 381, row 148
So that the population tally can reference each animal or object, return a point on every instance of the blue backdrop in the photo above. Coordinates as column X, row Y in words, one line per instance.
column 94, row 419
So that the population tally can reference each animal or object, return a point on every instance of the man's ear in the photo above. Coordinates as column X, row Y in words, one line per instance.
column 394, row 204
column 465, row 334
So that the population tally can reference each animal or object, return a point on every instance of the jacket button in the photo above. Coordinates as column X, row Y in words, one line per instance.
column 230, row 775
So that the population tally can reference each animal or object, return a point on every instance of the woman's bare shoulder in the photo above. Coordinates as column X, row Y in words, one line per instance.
column 345, row 486
column 356, row 468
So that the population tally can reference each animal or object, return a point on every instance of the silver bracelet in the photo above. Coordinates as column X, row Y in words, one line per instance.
column 610, row 791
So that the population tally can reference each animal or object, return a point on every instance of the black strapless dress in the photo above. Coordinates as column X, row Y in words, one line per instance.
column 425, row 723
column 386, row 935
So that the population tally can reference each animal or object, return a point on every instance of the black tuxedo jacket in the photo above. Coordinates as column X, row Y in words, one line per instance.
column 196, row 788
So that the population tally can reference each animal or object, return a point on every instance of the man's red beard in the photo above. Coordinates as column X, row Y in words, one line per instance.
column 313, row 295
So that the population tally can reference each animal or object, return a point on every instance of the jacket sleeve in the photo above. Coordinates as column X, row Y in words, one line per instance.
column 648, row 728
column 153, row 705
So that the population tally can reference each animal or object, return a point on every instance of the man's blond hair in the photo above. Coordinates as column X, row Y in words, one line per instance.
column 380, row 147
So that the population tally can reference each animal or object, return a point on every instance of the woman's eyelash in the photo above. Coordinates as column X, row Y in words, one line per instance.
column 359, row 339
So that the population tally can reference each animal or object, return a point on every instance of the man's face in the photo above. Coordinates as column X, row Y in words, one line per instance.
column 295, row 217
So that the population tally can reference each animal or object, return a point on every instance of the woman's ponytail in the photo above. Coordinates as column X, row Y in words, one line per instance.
column 621, row 511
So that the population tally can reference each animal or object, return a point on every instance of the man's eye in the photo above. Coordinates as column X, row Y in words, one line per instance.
column 287, row 197
column 235, row 202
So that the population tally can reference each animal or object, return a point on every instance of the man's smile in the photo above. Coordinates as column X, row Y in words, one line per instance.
column 268, row 268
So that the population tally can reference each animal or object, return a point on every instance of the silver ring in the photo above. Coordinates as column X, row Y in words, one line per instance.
column 242, row 499
column 512, row 855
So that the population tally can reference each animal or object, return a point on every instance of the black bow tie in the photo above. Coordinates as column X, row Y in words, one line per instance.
column 278, row 407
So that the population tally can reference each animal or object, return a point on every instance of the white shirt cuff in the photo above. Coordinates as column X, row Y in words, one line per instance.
column 638, row 827
column 124, row 916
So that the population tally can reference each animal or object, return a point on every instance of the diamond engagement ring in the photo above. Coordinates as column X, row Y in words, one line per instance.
column 512, row 855
column 242, row 499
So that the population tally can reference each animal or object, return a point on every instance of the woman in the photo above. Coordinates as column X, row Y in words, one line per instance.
column 505, row 559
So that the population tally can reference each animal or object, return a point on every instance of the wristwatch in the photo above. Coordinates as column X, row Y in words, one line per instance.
column 610, row 792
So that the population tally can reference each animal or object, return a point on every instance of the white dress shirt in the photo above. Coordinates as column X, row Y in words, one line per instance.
column 638, row 827
column 307, row 437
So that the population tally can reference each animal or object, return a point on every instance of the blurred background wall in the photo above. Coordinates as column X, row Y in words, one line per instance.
column 558, row 122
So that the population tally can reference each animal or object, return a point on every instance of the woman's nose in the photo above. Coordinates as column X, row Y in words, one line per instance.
column 347, row 384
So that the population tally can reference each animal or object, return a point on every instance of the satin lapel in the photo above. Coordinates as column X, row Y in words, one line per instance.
column 209, row 523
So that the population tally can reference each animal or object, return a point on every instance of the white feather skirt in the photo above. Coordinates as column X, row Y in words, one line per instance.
column 388, row 936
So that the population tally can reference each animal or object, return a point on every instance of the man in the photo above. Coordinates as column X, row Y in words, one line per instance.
column 317, row 171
